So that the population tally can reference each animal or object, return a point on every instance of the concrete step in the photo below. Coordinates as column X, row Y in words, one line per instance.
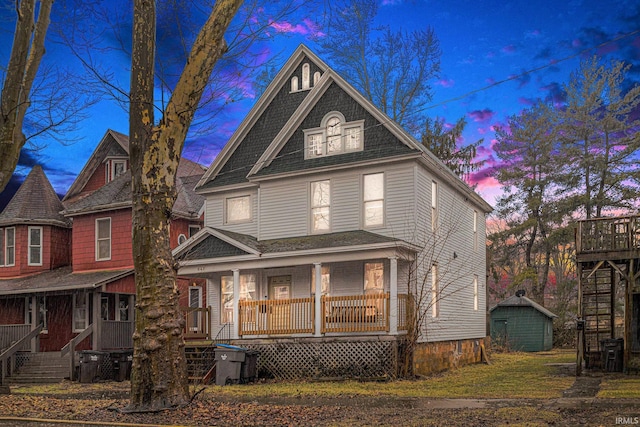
column 40, row 368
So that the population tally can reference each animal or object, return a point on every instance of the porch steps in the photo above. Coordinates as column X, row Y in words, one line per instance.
column 40, row 368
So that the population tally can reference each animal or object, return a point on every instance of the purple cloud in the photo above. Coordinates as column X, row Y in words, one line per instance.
column 481, row 115
column 306, row 28
column 446, row 83
column 510, row 49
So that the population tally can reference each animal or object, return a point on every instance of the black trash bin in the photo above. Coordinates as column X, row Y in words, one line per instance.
column 249, row 366
column 90, row 361
column 122, row 360
column 612, row 354
column 229, row 360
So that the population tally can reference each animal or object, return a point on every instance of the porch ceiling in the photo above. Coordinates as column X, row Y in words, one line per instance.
column 60, row 279
column 204, row 255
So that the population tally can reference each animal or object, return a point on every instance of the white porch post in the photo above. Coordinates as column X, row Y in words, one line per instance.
column 35, row 313
column 97, row 321
column 318, row 298
column 393, row 295
column 235, row 332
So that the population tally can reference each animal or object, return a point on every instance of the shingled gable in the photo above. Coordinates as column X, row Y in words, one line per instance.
column 35, row 202
column 112, row 144
column 259, row 128
column 117, row 194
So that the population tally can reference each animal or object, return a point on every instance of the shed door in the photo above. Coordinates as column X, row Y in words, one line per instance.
column 499, row 332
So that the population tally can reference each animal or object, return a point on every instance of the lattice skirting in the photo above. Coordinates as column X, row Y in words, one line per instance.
column 327, row 359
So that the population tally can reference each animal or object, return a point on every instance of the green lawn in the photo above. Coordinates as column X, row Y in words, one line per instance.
column 620, row 387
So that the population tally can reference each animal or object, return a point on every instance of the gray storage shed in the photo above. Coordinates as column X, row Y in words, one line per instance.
column 522, row 324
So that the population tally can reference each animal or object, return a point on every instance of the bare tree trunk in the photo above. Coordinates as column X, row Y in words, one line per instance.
column 159, row 377
column 26, row 53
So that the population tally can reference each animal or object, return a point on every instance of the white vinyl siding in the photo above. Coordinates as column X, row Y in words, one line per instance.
column 215, row 213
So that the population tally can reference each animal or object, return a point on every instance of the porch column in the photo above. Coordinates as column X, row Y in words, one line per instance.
column 393, row 295
column 235, row 332
column 318, row 298
column 35, row 315
column 97, row 321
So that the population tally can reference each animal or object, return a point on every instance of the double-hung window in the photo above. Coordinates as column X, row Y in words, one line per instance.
column 10, row 246
column 247, row 293
column 35, row 246
column 80, row 311
column 103, row 239
column 475, row 292
column 373, row 199
column 475, row 230
column 334, row 136
column 320, row 206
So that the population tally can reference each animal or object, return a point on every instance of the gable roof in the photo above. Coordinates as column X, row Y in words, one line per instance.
column 117, row 194
column 35, row 202
column 522, row 301
column 258, row 129
column 112, row 144
column 211, row 243
column 270, row 140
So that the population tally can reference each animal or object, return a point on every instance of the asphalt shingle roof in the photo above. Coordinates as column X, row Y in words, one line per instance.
column 522, row 301
column 211, row 246
column 35, row 202
column 60, row 279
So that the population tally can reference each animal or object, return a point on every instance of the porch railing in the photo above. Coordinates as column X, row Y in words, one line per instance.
column 116, row 334
column 356, row 313
column 197, row 322
column 608, row 234
column 9, row 334
column 7, row 359
column 273, row 317
column 342, row 314
column 70, row 348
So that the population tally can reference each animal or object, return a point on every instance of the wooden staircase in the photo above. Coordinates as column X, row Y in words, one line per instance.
column 40, row 368
column 597, row 310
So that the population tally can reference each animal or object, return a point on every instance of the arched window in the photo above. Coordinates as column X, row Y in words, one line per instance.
column 334, row 136
column 294, row 84
column 316, row 77
column 181, row 239
column 305, row 76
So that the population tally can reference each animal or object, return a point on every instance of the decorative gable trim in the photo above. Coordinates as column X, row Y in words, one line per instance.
column 210, row 232
column 282, row 78
column 307, row 105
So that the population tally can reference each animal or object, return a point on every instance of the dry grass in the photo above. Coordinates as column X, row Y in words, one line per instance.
column 620, row 387
column 510, row 375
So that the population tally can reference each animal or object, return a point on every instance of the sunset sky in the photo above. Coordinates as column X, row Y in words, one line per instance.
column 498, row 57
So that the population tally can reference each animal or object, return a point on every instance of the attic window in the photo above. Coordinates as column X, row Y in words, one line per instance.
column 305, row 76
column 294, row 84
column 114, row 168
column 334, row 136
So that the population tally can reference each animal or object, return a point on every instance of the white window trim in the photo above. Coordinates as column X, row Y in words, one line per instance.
column 435, row 292
column 97, row 245
column 364, row 202
column 196, row 316
column 475, row 230
column 6, row 247
column 322, row 131
column 2, row 254
column 30, row 246
column 238, row 221
column 116, row 162
column 434, row 205
column 306, row 76
column 181, row 239
column 475, row 292
column 86, row 313
column 312, row 207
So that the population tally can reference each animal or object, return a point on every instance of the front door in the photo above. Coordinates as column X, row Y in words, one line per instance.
column 279, row 294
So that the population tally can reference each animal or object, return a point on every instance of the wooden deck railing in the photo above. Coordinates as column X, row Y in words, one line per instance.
column 356, row 313
column 12, row 333
column 276, row 317
column 116, row 334
column 197, row 322
column 608, row 234
column 342, row 314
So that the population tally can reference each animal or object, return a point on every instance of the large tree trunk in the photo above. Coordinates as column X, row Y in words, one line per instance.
column 159, row 378
column 26, row 53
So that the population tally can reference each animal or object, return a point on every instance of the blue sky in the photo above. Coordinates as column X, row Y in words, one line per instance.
column 489, row 49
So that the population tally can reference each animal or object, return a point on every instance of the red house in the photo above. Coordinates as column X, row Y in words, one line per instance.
column 67, row 266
